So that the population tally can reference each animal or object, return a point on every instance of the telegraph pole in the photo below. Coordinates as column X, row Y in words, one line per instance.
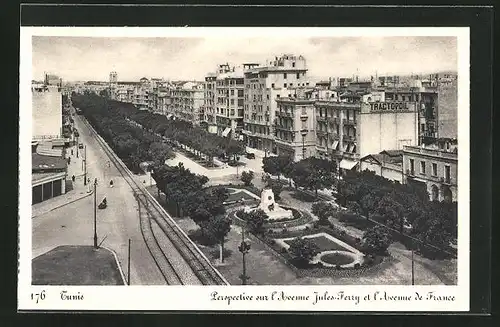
column 412, row 268
column 95, row 213
column 85, row 165
column 128, row 270
column 243, row 248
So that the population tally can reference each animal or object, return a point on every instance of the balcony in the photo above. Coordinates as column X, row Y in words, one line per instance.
column 410, row 172
column 430, row 152
column 349, row 138
column 332, row 119
column 283, row 128
column 348, row 122
column 445, row 181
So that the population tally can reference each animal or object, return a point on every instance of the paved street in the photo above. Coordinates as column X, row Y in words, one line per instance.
column 73, row 224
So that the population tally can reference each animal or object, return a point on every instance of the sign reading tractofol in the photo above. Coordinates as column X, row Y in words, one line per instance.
column 392, row 106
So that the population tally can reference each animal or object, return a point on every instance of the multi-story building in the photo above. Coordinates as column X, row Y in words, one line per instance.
column 263, row 85
column 428, row 112
column 433, row 168
column 337, row 129
column 209, row 102
column 113, row 85
column 141, row 97
column 186, row 101
column 354, row 125
column 46, row 111
column 229, row 101
column 294, row 125
column 163, row 100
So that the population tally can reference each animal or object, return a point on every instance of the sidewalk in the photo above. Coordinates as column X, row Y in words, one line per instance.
column 74, row 190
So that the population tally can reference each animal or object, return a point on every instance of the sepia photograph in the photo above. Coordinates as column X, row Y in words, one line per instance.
column 215, row 158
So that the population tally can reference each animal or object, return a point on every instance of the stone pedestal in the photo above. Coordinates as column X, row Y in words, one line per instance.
column 271, row 208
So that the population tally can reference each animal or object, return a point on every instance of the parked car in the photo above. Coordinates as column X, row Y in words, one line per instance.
column 80, row 146
column 250, row 155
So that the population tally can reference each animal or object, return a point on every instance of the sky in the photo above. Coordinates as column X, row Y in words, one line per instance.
column 190, row 58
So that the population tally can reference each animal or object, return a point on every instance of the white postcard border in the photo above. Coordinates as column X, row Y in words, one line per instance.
column 199, row 298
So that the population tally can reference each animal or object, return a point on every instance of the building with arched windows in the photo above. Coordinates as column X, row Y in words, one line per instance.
column 433, row 167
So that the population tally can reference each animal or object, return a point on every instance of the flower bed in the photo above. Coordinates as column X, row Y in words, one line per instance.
column 336, row 258
column 370, row 265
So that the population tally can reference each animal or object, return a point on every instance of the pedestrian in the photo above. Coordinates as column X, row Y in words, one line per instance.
column 71, row 151
column 111, row 183
column 73, row 178
column 69, row 160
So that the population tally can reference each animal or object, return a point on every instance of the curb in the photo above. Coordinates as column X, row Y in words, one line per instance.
column 117, row 264
column 64, row 204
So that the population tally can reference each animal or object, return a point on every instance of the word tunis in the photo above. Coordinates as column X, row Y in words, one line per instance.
column 65, row 296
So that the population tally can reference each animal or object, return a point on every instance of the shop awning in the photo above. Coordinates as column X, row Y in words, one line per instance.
column 226, row 132
column 348, row 164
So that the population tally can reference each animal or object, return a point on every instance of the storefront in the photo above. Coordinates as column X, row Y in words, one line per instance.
column 47, row 185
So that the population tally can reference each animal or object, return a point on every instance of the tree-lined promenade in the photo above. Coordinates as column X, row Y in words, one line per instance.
column 177, row 132
column 183, row 189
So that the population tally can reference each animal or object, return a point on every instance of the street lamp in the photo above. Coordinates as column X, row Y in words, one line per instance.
column 412, row 264
column 85, row 165
column 95, row 213
column 244, row 247
column 304, row 134
column 77, row 145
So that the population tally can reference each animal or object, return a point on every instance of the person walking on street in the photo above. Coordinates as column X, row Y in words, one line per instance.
column 73, row 178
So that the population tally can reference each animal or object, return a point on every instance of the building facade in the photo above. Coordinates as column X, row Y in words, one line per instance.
column 209, row 102
column 46, row 111
column 48, row 175
column 294, row 127
column 337, row 131
column 186, row 102
column 388, row 164
column 387, row 125
column 433, row 168
column 263, row 85
column 229, row 104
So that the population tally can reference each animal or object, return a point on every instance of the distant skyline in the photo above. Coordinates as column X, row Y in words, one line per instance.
column 190, row 58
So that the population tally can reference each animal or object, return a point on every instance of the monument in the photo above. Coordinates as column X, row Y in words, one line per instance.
column 271, row 208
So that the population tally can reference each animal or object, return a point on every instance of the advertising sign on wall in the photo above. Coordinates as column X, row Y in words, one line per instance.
column 391, row 106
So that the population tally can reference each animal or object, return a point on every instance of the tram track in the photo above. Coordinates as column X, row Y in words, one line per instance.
column 158, row 228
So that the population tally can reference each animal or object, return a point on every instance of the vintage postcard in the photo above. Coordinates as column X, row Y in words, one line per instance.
column 256, row 169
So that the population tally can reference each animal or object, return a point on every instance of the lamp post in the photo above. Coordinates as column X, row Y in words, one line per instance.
column 412, row 265
column 304, row 134
column 85, row 165
column 95, row 213
column 244, row 247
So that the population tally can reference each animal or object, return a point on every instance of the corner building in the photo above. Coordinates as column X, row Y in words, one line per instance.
column 263, row 85
column 294, row 126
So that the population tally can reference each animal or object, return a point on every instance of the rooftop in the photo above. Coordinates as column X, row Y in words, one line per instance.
column 35, row 177
column 40, row 162
column 394, row 157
